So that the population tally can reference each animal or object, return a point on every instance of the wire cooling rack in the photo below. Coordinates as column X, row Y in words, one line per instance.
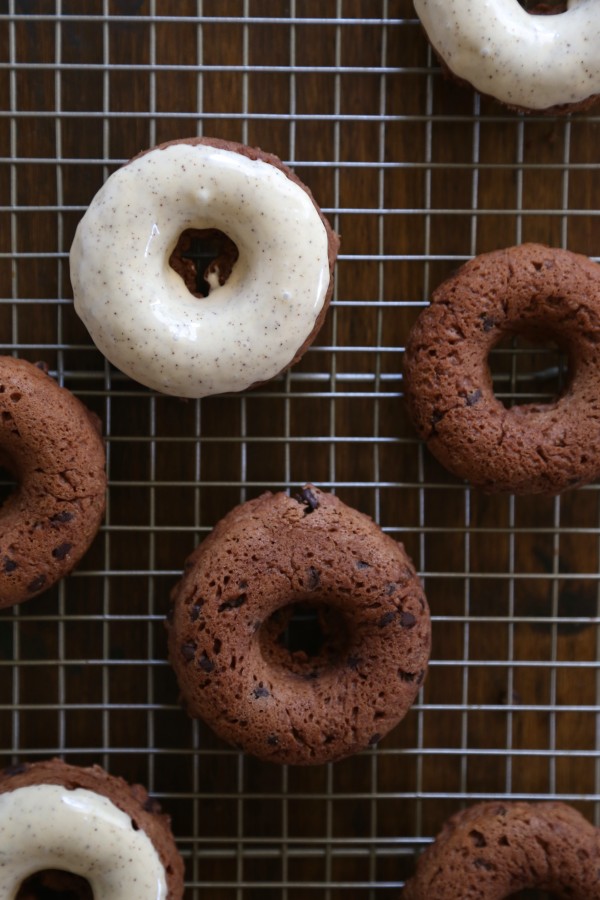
column 417, row 175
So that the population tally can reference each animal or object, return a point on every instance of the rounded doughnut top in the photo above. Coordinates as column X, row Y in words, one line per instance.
column 231, row 634
column 136, row 306
column 539, row 292
column 534, row 62
column 494, row 850
column 52, row 446
column 83, row 821
column 46, row 826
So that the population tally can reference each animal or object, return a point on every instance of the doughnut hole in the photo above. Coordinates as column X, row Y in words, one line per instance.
column 544, row 7
column 305, row 638
column 204, row 258
column 526, row 371
column 55, row 884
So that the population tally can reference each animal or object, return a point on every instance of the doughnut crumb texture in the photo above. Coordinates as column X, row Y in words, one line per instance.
column 58, row 820
column 496, row 849
column 266, row 298
column 268, row 565
column 52, row 446
column 543, row 62
column 543, row 294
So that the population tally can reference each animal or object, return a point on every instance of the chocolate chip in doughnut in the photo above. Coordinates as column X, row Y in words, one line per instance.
column 77, row 832
column 203, row 266
column 51, row 445
column 300, row 631
column 494, row 850
column 531, row 290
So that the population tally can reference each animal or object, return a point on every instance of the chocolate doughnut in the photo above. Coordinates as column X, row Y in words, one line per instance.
column 545, row 63
column 491, row 851
column 265, row 293
column 51, row 444
column 83, row 832
column 541, row 293
column 323, row 698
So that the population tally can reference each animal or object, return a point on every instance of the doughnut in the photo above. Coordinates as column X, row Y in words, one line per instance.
column 266, row 292
column 299, row 631
column 544, row 63
column 544, row 294
column 51, row 445
column 64, row 826
column 493, row 850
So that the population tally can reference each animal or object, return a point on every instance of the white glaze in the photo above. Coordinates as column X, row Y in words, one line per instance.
column 530, row 61
column 46, row 826
column 137, row 308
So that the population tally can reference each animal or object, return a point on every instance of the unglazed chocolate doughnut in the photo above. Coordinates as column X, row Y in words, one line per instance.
column 265, row 562
column 548, row 63
column 536, row 291
column 277, row 270
column 494, row 850
column 58, row 821
column 52, row 446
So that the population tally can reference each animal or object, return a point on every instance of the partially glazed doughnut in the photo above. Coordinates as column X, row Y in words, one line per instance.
column 492, row 851
column 266, row 561
column 51, row 444
column 536, row 291
column 548, row 63
column 58, row 821
column 278, row 268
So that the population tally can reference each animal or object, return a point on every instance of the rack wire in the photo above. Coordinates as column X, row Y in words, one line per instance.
column 417, row 175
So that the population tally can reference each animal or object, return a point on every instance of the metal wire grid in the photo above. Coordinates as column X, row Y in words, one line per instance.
column 417, row 176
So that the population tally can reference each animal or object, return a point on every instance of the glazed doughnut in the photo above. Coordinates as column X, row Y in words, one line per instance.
column 494, row 850
column 548, row 63
column 51, row 444
column 58, row 821
column 138, row 308
column 270, row 559
column 536, row 291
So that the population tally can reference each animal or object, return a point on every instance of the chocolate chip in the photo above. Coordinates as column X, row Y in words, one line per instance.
column 232, row 604
column 473, row 398
column 407, row 620
column 62, row 517
column 390, row 588
column 9, row 564
column 195, row 610
column 43, row 366
column 386, row 619
column 37, row 584
column 481, row 863
column 313, row 579
column 488, row 323
column 436, row 416
column 188, row 651
column 374, row 740
column 260, row 691
column 406, row 676
column 478, row 838
column 362, row 565
column 11, row 771
column 353, row 662
column 206, row 664
column 272, row 740
column 152, row 806
column 62, row 550
column 307, row 497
